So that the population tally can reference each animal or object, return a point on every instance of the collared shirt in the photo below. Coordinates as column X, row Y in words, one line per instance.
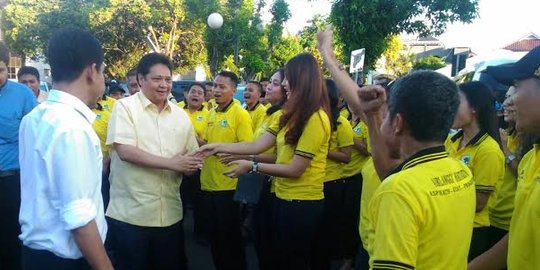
column 340, row 138
column 199, row 118
column 61, row 166
column 426, row 207
column 16, row 100
column 231, row 125
column 358, row 159
column 486, row 160
column 103, row 112
column 523, row 245
column 139, row 195
column 258, row 115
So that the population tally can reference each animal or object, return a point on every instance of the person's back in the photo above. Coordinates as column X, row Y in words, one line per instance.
column 430, row 193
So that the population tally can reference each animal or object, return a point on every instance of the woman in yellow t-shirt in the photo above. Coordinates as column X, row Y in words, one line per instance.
column 301, row 136
column 477, row 144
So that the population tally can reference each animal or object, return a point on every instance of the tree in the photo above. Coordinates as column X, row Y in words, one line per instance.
column 429, row 63
column 280, row 14
column 283, row 51
column 397, row 61
column 369, row 23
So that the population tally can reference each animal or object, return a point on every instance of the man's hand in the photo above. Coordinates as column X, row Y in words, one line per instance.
column 242, row 167
column 185, row 163
column 372, row 99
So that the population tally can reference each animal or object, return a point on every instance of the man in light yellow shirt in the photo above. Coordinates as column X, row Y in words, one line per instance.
column 150, row 139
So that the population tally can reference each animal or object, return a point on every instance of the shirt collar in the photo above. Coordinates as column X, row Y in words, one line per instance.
column 422, row 156
column 254, row 107
column 147, row 103
column 475, row 140
column 226, row 107
column 69, row 99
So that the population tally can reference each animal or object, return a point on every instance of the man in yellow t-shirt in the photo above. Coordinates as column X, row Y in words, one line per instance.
column 227, row 123
column 427, row 204
column 520, row 248
column 257, row 111
column 103, row 112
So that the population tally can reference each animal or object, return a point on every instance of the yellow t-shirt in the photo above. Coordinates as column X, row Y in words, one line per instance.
column 231, row 125
column 342, row 137
column 523, row 246
column 268, row 105
column 103, row 113
column 181, row 104
column 258, row 116
column 199, row 119
column 500, row 212
column 486, row 160
column 268, row 120
column 354, row 167
column 211, row 104
column 370, row 183
column 424, row 209
column 313, row 144
column 140, row 195
column 345, row 113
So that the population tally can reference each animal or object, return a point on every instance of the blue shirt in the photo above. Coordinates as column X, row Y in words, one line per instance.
column 16, row 100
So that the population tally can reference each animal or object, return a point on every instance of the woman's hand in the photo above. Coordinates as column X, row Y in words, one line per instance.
column 242, row 167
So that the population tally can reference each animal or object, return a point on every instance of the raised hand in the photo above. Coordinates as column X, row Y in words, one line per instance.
column 324, row 42
column 372, row 99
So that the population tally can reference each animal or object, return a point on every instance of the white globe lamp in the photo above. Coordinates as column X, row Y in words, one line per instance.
column 215, row 20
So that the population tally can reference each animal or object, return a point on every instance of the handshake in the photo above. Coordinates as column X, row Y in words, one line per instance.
column 191, row 162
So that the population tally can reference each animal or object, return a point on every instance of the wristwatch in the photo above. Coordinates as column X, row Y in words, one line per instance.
column 509, row 159
column 254, row 167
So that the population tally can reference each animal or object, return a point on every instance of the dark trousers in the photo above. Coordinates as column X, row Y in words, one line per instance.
column 263, row 230
column 295, row 224
column 142, row 248
column 480, row 242
column 105, row 187
column 337, row 237
column 33, row 259
column 10, row 202
column 362, row 259
column 191, row 194
column 222, row 218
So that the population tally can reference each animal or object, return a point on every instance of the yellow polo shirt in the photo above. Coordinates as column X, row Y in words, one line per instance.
column 269, row 119
column 139, row 195
column 103, row 113
column 370, row 183
column 341, row 137
column 258, row 116
column 345, row 112
column 199, row 119
column 523, row 246
column 500, row 212
column 313, row 144
column 422, row 215
column 486, row 160
column 231, row 125
column 354, row 167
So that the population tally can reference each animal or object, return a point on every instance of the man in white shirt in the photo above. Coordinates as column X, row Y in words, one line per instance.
column 61, row 216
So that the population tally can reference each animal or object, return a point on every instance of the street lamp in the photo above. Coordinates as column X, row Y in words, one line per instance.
column 215, row 20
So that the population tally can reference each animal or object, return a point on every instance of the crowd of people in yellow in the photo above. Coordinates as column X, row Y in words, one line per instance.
column 412, row 173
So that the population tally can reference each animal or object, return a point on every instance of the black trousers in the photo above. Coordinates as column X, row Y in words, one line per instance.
column 295, row 224
column 33, row 259
column 480, row 242
column 337, row 237
column 10, row 202
column 148, row 248
column 191, row 194
column 263, row 227
column 222, row 221
column 362, row 259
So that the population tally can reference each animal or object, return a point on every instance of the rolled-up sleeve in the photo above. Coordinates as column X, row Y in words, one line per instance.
column 74, row 182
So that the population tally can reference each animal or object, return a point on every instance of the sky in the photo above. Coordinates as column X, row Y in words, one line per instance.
column 500, row 22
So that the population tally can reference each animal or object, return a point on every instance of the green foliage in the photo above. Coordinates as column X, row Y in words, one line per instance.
column 369, row 23
column 397, row 61
column 429, row 63
column 283, row 51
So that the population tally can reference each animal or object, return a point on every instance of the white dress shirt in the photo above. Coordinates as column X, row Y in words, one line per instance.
column 61, row 164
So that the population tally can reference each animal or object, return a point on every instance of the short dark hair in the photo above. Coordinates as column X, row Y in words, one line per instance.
column 4, row 53
column 259, row 86
column 152, row 59
column 132, row 72
column 201, row 85
column 265, row 79
column 428, row 102
column 28, row 70
column 231, row 75
column 70, row 51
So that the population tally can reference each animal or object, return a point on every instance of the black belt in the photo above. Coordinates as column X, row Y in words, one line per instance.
column 8, row 173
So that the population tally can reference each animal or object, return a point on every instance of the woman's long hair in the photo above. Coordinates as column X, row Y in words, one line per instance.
column 482, row 100
column 276, row 107
column 307, row 95
column 334, row 100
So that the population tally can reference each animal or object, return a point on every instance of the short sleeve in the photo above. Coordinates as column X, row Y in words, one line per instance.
column 192, row 143
column 395, row 239
column 344, row 134
column 313, row 136
column 73, row 177
column 244, row 129
column 121, row 129
column 273, row 125
column 488, row 169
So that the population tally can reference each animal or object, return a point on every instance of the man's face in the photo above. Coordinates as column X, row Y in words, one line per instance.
column 133, row 85
column 265, row 84
column 389, row 135
column 3, row 72
column 209, row 92
column 527, row 105
column 223, row 90
column 195, row 97
column 157, row 84
column 31, row 81
column 252, row 94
